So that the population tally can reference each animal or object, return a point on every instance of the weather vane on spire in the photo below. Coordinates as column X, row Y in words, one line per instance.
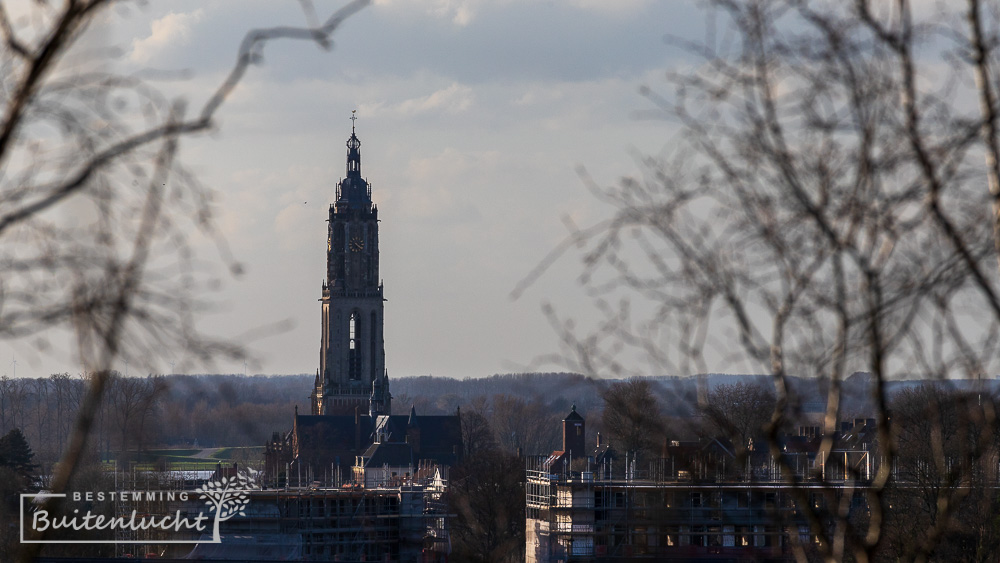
column 353, row 119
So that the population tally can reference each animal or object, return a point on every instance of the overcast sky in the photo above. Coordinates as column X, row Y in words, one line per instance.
column 473, row 117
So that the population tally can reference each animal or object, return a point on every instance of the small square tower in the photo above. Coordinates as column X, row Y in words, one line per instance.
column 574, row 434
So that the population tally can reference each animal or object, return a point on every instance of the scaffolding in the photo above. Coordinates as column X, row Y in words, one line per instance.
column 164, row 493
column 406, row 523
column 619, row 511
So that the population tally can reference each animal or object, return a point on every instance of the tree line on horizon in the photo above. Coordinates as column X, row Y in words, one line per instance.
column 163, row 411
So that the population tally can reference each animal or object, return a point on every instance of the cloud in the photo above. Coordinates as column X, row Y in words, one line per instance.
column 619, row 8
column 453, row 99
column 171, row 30
column 433, row 194
column 459, row 12
column 462, row 12
column 456, row 98
column 536, row 94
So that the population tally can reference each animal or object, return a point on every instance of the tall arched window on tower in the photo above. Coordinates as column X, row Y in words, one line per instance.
column 372, row 346
column 354, row 347
column 370, row 245
column 339, row 235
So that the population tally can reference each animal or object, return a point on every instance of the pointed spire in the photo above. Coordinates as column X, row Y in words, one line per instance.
column 353, row 151
column 353, row 188
column 386, row 395
column 412, row 421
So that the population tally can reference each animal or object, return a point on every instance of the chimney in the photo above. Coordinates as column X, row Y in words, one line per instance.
column 598, row 439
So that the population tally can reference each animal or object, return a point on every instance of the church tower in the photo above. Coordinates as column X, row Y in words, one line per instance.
column 352, row 355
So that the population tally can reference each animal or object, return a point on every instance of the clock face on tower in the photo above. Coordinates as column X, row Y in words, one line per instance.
column 357, row 244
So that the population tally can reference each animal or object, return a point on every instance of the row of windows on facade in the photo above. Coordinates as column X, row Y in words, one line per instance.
column 697, row 499
column 644, row 540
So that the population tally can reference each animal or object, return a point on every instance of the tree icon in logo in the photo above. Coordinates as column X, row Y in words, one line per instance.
column 228, row 497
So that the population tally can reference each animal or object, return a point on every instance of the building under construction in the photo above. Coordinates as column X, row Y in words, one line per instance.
column 398, row 524
column 699, row 501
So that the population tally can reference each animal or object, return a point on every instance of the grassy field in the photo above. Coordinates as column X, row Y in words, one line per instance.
column 185, row 460
column 248, row 452
column 174, row 464
column 174, row 453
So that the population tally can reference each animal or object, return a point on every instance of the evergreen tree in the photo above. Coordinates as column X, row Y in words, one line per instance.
column 16, row 454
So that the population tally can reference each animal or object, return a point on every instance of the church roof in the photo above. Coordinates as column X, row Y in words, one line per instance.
column 573, row 415
column 393, row 454
column 438, row 433
column 326, row 436
column 334, row 433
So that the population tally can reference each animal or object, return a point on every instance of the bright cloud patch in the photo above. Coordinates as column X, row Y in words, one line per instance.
column 462, row 12
column 459, row 12
column 618, row 7
column 455, row 98
column 170, row 30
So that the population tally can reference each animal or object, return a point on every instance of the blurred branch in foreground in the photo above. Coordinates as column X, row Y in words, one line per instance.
column 831, row 205
column 95, row 208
